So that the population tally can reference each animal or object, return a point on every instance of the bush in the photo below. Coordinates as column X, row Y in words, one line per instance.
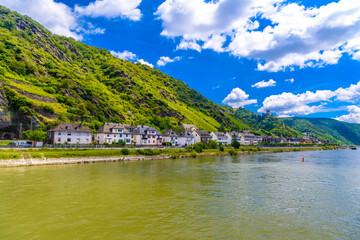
column 221, row 148
column 125, row 151
column 232, row 152
column 235, row 144
column 198, row 148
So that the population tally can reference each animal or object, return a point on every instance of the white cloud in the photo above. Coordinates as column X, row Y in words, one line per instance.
column 350, row 94
column 296, row 104
column 290, row 80
column 165, row 60
column 143, row 62
column 297, row 36
column 185, row 45
column 264, row 84
column 126, row 55
column 309, row 102
column 238, row 98
column 352, row 117
column 112, row 9
column 55, row 16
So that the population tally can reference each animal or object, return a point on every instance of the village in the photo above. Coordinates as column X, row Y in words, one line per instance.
column 148, row 137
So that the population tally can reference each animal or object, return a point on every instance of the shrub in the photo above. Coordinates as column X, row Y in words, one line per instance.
column 198, row 148
column 125, row 151
column 232, row 152
column 221, row 148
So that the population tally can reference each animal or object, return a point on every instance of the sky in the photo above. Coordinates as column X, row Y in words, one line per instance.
column 294, row 58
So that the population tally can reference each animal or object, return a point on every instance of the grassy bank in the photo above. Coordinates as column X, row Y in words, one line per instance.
column 174, row 153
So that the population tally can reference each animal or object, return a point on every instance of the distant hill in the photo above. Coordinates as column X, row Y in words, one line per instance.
column 326, row 128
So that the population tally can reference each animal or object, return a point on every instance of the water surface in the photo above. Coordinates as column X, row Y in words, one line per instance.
column 263, row 196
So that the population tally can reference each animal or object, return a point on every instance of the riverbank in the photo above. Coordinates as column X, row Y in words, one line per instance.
column 36, row 157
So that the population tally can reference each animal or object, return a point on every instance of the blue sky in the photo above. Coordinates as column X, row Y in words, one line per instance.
column 295, row 58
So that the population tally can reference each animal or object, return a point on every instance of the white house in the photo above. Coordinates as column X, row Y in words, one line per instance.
column 249, row 138
column 185, row 138
column 201, row 136
column 189, row 127
column 234, row 135
column 146, row 136
column 171, row 137
column 219, row 137
column 70, row 133
column 113, row 132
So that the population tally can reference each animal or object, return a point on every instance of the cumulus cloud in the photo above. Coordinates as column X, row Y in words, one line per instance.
column 309, row 102
column 185, row 45
column 55, row 16
column 165, row 60
column 296, row 104
column 290, row 80
column 264, row 84
column 295, row 36
column 111, row 9
column 126, row 55
column 143, row 62
column 238, row 98
column 352, row 117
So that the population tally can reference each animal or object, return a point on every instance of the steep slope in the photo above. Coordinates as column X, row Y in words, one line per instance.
column 47, row 78
column 268, row 124
column 326, row 128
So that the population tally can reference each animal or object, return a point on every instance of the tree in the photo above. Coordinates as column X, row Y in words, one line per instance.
column 235, row 144
column 37, row 135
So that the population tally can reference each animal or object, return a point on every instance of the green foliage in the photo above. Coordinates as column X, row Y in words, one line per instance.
column 232, row 152
column 125, row 151
column 235, row 144
column 327, row 129
column 212, row 144
column 221, row 148
column 36, row 135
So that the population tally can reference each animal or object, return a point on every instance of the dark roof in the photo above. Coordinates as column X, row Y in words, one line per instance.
column 185, row 133
column 106, row 128
column 70, row 127
column 220, row 134
column 203, row 133
column 143, row 130
column 169, row 133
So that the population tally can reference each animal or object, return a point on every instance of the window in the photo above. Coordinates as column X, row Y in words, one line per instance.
column 59, row 139
column 78, row 140
column 69, row 133
column 59, row 133
column 68, row 140
column 120, row 135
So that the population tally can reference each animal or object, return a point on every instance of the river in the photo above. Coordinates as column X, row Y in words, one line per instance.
column 260, row 196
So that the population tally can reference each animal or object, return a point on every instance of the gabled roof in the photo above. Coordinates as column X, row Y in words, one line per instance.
column 185, row 133
column 220, row 134
column 70, row 127
column 169, row 133
column 143, row 130
column 203, row 133
column 188, row 126
column 106, row 128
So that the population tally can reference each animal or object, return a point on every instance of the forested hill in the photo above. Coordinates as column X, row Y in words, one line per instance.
column 46, row 78
column 327, row 128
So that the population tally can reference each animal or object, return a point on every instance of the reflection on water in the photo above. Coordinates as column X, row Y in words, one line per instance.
column 264, row 196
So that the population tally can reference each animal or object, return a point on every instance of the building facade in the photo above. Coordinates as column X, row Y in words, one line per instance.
column 171, row 137
column 186, row 138
column 219, row 137
column 70, row 133
column 146, row 136
column 201, row 136
column 113, row 133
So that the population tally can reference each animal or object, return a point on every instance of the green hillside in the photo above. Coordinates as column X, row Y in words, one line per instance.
column 51, row 78
column 326, row 128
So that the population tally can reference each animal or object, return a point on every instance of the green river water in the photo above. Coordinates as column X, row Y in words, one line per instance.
column 263, row 196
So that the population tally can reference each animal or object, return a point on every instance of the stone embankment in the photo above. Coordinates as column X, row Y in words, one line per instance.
column 77, row 160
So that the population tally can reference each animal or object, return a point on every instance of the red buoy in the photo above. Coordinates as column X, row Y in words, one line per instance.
column 303, row 160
